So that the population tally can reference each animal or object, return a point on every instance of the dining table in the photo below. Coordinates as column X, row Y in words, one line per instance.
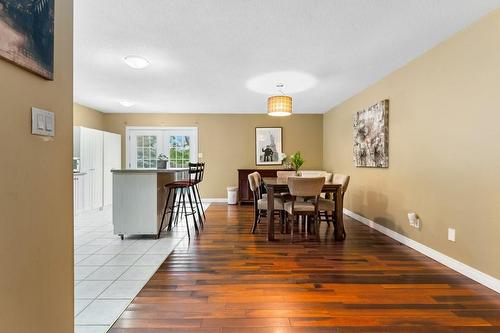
column 280, row 184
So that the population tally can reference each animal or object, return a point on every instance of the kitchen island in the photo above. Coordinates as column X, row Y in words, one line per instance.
column 139, row 199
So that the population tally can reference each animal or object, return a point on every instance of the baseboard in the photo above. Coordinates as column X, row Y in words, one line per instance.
column 213, row 199
column 472, row 273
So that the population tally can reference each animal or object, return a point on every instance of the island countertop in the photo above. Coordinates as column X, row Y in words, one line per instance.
column 148, row 170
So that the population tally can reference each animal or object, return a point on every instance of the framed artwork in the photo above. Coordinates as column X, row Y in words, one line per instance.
column 371, row 136
column 27, row 35
column 268, row 145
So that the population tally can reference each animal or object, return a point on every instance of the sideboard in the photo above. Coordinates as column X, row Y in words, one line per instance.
column 245, row 194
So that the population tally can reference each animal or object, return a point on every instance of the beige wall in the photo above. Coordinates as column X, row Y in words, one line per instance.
column 36, row 238
column 228, row 141
column 444, row 148
column 87, row 117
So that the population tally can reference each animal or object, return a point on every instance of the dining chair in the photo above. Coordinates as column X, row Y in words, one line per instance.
column 285, row 175
column 304, row 188
column 327, row 206
column 260, row 202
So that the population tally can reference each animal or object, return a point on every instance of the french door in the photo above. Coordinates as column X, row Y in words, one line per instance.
column 145, row 146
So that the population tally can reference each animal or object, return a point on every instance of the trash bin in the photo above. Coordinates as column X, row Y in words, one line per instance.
column 232, row 195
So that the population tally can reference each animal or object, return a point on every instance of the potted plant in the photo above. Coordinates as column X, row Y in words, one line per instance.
column 296, row 161
column 162, row 161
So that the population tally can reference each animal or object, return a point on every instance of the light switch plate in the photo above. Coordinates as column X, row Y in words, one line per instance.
column 42, row 122
column 451, row 234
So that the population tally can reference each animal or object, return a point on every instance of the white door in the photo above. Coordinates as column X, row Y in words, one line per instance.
column 78, row 193
column 181, row 147
column 111, row 160
column 92, row 164
column 144, row 146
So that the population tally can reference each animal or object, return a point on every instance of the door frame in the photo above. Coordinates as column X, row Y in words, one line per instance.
column 154, row 128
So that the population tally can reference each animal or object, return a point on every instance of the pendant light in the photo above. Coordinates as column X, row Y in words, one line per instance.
column 279, row 105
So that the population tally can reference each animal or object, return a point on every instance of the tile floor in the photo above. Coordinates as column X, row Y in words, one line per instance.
column 110, row 272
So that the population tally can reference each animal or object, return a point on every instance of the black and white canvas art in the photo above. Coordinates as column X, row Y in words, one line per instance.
column 371, row 136
column 268, row 145
column 27, row 35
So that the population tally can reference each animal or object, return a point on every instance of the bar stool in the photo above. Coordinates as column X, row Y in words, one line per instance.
column 198, row 178
column 179, row 190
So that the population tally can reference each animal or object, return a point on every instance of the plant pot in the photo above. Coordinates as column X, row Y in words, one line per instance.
column 162, row 164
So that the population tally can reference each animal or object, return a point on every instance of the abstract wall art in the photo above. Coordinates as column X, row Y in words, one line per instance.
column 27, row 35
column 371, row 136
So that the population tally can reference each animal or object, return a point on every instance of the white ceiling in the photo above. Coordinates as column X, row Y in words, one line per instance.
column 203, row 53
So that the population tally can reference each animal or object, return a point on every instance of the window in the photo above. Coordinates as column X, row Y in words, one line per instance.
column 146, row 151
column 180, row 151
column 178, row 144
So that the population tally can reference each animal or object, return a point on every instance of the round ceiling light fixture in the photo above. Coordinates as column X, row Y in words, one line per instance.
column 126, row 103
column 295, row 82
column 279, row 105
column 136, row 62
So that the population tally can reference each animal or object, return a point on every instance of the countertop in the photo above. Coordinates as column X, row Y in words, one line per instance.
column 148, row 170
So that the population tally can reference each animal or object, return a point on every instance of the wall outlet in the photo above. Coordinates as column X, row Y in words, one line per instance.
column 451, row 234
column 414, row 220
column 411, row 218
column 200, row 155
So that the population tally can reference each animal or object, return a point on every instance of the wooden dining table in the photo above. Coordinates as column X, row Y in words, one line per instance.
column 279, row 185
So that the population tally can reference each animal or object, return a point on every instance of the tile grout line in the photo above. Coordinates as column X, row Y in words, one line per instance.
column 176, row 241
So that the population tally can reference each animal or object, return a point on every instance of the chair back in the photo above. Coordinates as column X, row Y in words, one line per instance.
column 305, row 186
column 252, row 182
column 195, row 171
column 201, row 167
column 285, row 174
column 339, row 178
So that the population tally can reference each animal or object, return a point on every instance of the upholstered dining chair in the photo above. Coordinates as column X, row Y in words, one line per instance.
column 260, row 202
column 302, row 188
column 327, row 206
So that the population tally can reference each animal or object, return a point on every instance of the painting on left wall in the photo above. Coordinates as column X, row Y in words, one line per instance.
column 27, row 35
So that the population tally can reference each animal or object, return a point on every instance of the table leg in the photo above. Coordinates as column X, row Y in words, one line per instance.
column 270, row 213
column 339, row 215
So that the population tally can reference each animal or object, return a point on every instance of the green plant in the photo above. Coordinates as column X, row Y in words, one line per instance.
column 296, row 160
column 162, row 157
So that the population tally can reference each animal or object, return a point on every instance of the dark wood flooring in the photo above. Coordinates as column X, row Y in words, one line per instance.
column 228, row 280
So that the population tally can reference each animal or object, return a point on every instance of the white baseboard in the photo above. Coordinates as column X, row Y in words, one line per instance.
column 472, row 273
column 213, row 199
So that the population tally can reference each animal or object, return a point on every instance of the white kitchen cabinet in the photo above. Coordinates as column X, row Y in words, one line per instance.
column 112, row 159
column 91, row 150
column 79, row 192
column 99, row 152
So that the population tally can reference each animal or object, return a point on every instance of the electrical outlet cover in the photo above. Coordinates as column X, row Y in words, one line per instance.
column 451, row 234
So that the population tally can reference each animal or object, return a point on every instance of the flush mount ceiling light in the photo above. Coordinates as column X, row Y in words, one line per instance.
column 136, row 62
column 280, row 105
column 126, row 103
column 295, row 82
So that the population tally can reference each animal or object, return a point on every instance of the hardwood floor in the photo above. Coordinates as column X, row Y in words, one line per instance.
column 228, row 280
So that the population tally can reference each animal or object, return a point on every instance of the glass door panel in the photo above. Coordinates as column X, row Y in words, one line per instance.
column 144, row 147
column 179, row 145
column 182, row 147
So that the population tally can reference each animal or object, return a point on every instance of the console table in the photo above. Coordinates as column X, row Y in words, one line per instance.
column 245, row 195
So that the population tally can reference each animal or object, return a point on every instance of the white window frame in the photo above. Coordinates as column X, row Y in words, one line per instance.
column 130, row 129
